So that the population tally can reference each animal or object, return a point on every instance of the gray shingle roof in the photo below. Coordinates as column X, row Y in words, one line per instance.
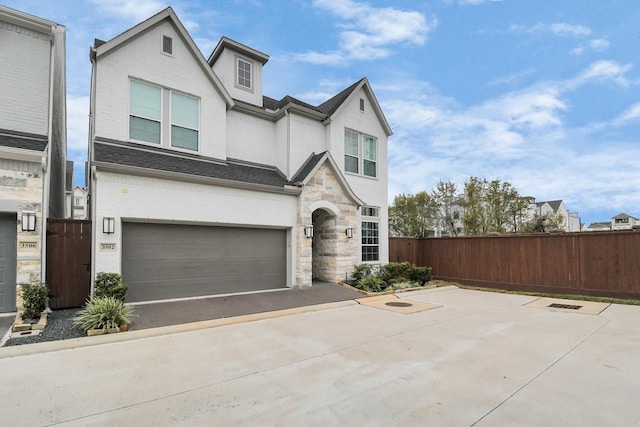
column 139, row 156
column 307, row 167
column 331, row 105
column 27, row 141
column 327, row 108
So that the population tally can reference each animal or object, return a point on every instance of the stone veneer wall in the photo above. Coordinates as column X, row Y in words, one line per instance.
column 336, row 254
column 23, row 182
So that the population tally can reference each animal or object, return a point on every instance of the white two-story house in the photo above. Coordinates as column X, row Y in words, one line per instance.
column 32, row 145
column 199, row 184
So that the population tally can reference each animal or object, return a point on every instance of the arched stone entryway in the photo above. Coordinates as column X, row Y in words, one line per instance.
column 324, row 246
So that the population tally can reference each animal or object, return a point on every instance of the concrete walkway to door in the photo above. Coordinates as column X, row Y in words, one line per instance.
column 467, row 358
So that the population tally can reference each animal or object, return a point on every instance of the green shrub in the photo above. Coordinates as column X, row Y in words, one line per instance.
column 421, row 275
column 371, row 284
column 394, row 270
column 104, row 313
column 110, row 285
column 34, row 299
column 359, row 272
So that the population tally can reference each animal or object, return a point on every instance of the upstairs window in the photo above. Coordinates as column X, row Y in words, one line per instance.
column 185, row 119
column 244, row 74
column 77, row 201
column 360, row 153
column 149, row 105
column 145, row 112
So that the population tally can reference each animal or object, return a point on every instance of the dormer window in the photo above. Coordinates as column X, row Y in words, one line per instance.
column 243, row 73
column 167, row 45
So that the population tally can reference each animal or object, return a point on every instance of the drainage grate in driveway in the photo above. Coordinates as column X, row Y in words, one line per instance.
column 398, row 304
column 565, row 306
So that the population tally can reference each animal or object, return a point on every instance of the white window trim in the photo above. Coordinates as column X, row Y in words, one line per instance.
column 374, row 219
column 165, row 118
column 251, row 75
column 361, row 159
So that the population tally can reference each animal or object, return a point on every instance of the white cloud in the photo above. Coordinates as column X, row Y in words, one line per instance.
column 77, row 123
column 137, row 11
column 368, row 32
column 631, row 114
column 602, row 70
column 597, row 45
column 557, row 28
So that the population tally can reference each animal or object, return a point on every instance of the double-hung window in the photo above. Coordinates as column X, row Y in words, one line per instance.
column 184, row 121
column 163, row 116
column 244, row 74
column 360, row 153
column 145, row 112
column 370, row 232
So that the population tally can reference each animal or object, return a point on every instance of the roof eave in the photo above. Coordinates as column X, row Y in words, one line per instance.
column 196, row 179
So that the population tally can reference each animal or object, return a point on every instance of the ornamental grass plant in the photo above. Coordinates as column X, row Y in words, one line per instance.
column 104, row 313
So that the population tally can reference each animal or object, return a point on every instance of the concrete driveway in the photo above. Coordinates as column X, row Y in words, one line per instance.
column 469, row 358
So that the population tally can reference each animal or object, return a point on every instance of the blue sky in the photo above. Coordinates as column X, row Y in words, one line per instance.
column 543, row 94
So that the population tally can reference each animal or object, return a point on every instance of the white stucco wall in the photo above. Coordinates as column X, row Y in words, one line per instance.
column 251, row 138
column 133, row 198
column 25, row 57
column 306, row 136
column 142, row 58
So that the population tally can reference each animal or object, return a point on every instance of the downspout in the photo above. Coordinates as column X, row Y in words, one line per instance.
column 47, row 167
column 91, row 180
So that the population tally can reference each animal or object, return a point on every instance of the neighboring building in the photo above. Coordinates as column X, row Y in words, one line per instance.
column 201, row 185
column 599, row 226
column 624, row 222
column 79, row 202
column 568, row 221
column 68, row 191
column 32, row 145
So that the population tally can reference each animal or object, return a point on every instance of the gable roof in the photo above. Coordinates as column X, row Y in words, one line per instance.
column 103, row 48
column 311, row 166
column 274, row 108
column 334, row 105
column 623, row 215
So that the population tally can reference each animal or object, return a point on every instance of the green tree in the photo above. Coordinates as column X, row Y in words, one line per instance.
column 412, row 215
column 491, row 206
column 444, row 196
column 475, row 217
column 544, row 223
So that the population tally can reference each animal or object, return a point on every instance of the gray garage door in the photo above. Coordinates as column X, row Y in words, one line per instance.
column 161, row 261
column 8, row 233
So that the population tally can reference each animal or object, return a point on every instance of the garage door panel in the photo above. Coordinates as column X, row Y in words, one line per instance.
column 163, row 261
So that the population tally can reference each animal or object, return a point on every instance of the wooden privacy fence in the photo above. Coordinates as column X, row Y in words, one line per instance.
column 68, row 262
column 594, row 263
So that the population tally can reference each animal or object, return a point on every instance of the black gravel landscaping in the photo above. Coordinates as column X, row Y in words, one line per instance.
column 59, row 327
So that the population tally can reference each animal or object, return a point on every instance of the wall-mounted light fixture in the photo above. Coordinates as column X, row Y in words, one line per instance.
column 349, row 232
column 108, row 225
column 308, row 231
column 28, row 221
